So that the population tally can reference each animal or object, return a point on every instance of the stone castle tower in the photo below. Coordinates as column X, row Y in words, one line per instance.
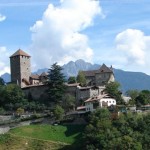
column 20, row 68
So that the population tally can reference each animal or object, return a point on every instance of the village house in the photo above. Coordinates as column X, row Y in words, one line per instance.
column 100, row 101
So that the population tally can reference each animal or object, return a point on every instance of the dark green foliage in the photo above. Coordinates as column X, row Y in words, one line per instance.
column 56, row 83
column 129, row 131
column 58, row 112
column 68, row 102
column 143, row 98
column 2, row 82
column 71, row 80
column 113, row 89
column 12, row 98
column 13, row 93
column 139, row 97
column 81, row 78
column 133, row 94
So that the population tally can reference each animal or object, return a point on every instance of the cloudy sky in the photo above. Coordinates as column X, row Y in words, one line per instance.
column 114, row 32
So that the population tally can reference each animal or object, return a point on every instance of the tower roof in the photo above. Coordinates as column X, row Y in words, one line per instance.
column 20, row 52
column 104, row 68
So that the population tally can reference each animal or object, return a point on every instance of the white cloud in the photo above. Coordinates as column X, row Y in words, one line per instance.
column 2, row 18
column 4, row 63
column 134, row 45
column 57, row 36
column 133, row 48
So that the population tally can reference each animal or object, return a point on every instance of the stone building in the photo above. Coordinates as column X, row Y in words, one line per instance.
column 83, row 93
column 20, row 68
column 99, row 77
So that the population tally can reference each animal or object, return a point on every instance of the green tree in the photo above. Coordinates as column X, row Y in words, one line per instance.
column 2, row 95
column 13, row 94
column 68, row 102
column 113, row 89
column 133, row 94
column 100, row 132
column 129, row 131
column 81, row 78
column 20, row 111
column 71, row 80
column 12, row 97
column 56, row 84
column 2, row 82
column 143, row 98
column 58, row 112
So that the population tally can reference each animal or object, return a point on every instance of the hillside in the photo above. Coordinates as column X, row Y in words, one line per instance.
column 132, row 80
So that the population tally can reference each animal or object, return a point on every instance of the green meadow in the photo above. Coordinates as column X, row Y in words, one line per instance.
column 42, row 137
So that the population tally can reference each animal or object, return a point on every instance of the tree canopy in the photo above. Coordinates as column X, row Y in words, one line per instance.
column 129, row 131
column 68, row 102
column 2, row 82
column 113, row 89
column 71, row 80
column 143, row 98
column 56, row 81
column 81, row 78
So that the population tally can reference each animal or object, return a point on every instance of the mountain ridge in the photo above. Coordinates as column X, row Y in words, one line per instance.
column 127, row 79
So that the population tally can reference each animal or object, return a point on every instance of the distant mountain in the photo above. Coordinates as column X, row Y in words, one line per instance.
column 72, row 68
column 6, row 77
column 128, row 80
column 40, row 71
column 132, row 80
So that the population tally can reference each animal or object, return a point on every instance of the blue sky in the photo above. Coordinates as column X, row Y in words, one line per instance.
column 114, row 32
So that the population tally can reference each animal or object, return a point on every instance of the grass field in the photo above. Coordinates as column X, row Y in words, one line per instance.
column 11, row 142
column 42, row 137
column 65, row 134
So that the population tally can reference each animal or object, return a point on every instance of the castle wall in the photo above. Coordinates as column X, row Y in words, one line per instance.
column 40, row 91
column 71, row 90
column 82, row 93
column 102, row 78
column 36, row 92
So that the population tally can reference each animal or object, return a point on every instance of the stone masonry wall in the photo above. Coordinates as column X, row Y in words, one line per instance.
column 20, row 68
column 37, row 92
column 25, row 68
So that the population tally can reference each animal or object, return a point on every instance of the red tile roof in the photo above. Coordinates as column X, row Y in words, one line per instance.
column 20, row 52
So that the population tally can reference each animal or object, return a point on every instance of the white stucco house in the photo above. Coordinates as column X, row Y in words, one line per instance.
column 99, row 101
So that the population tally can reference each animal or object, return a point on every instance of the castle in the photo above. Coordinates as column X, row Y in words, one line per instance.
column 34, row 85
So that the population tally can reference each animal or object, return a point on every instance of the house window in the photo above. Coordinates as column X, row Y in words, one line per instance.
column 109, row 101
